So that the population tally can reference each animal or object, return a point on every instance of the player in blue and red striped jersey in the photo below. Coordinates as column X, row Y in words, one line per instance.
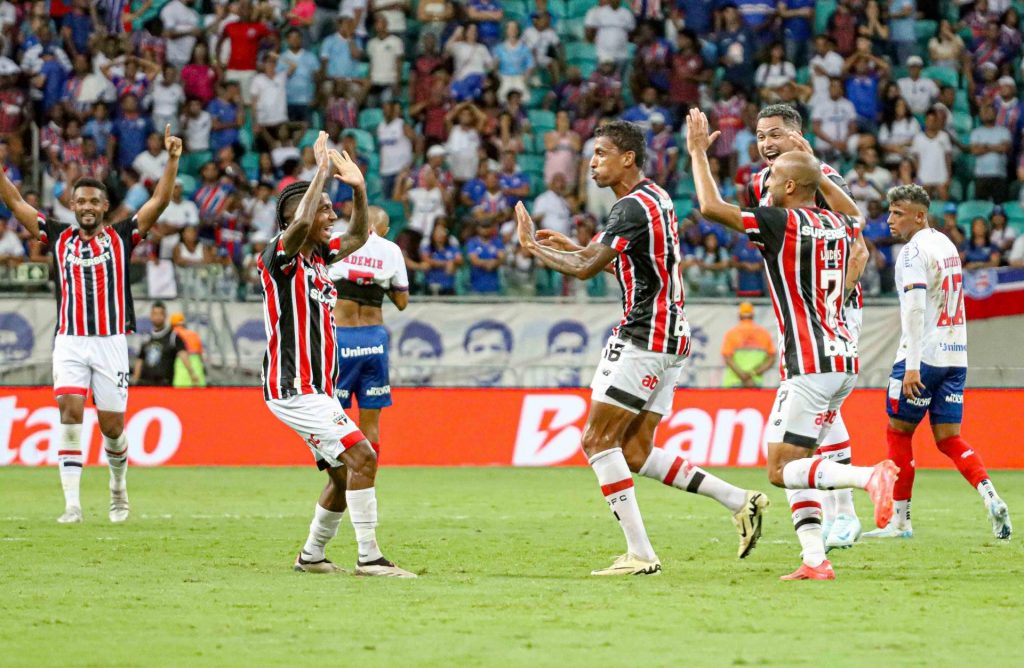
column 778, row 131
column 807, row 254
column 639, row 370
column 94, row 312
column 300, row 368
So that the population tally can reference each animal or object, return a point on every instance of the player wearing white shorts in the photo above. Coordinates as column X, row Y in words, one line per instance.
column 807, row 253
column 94, row 312
column 300, row 367
column 639, row 369
column 931, row 364
column 778, row 132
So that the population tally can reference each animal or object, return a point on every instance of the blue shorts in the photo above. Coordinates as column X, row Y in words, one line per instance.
column 942, row 397
column 363, row 367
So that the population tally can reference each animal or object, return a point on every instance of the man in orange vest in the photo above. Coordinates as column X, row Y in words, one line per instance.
column 748, row 351
column 193, row 375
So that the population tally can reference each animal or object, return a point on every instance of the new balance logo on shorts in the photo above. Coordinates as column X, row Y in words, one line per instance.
column 378, row 391
column 921, row 402
column 954, row 398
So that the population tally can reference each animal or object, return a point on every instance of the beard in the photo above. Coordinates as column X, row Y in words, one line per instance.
column 89, row 222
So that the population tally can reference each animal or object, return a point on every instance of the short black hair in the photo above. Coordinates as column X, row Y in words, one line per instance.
column 288, row 201
column 159, row 304
column 89, row 182
column 789, row 115
column 627, row 137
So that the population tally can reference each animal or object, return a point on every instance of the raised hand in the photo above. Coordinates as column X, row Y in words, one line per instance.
column 320, row 147
column 525, row 227
column 171, row 143
column 801, row 142
column 697, row 137
column 346, row 169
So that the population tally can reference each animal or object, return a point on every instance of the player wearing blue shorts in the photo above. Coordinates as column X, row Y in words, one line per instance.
column 931, row 364
column 362, row 280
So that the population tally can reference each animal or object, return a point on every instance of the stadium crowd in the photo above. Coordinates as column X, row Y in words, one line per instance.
column 456, row 110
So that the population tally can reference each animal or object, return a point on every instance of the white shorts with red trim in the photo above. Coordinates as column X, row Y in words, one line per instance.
column 805, row 404
column 319, row 421
column 97, row 363
column 635, row 378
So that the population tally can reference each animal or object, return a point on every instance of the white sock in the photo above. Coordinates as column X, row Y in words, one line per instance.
column 987, row 490
column 822, row 474
column 844, row 501
column 805, row 506
column 679, row 473
column 321, row 530
column 839, row 501
column 617, row 486
column 901, row 513
column 117, row 460
column 362, row 506
column 69, row 461
column 828, row 507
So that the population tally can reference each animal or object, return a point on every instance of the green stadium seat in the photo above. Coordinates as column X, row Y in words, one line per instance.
column 370, row 118
column 961, row 104
column 558, row 9
column 1015, row 215
column 683, row 207
column 395, row 211
column 925, row 29
column 541, row 120
column 971, row 209
column 580, row 51
column 577, row 9
column 364, row 140
column 309, row 138
column 963, row 122
column 686, row 189
column 531, row 163
column 250, row 162
column 941, row 75
column 188, row 184
column 823, row 11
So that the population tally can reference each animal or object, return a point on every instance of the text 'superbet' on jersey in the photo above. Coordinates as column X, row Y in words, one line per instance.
column 298, row 303
column 806, row 254
column 93, row 295
column 642, row 227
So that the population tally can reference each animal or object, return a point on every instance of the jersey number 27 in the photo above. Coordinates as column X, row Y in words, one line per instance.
column 953, row 311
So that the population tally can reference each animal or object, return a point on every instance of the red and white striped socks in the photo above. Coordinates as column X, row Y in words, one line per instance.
column 805, row 506
column 617, row 487
column 679, row 473
column 69, row 461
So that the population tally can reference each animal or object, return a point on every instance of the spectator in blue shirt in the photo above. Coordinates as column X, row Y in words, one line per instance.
column 444, row 256
column 301, row 67
column 130, row 131
column 514, row 183
column 473, row 190
column 486, row 254
column 797, row 16
column 880, row 239
column 902, row 35
column 99, row 126
column 79, row 22
column 736, row 49
column 979, row 251
column 862, row 91
column 748, row 263
column 697, row 14
column 227, row 115
column 340, row 52
column 514, row 61
column 759, row 17
column 487, row 16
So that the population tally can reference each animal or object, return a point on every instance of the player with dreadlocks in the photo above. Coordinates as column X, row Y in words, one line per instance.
column 300, row 368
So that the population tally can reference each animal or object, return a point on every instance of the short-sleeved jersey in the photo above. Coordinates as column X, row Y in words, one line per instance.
column 298, row 313
column 930, row 262
column 642, row 227
column 367, row 274
column 806, row 252
column 757, row 191
column 94, row 297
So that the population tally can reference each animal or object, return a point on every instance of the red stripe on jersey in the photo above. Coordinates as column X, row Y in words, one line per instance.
column 60, row 391
column 120, row 283
column 673, row 471
column 100, row 292
column 78, row 277
column 659, row 318
column 834, row 448
column 804, row 504
column 628, row 288
column 62, row 308
column 614, row 487
column 791, row 275
column 749, row 222
column 272, row 299
column 810, row 474
column 300, row 304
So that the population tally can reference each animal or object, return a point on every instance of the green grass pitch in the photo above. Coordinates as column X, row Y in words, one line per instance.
column 201, row 576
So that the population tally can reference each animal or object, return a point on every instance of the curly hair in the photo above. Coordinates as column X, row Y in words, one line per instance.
column 288, row 201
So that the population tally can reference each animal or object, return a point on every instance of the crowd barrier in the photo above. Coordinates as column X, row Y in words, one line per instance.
column 468, row 427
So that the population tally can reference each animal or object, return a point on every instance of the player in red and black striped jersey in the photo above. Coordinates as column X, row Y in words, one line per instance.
column 807, row 256
column 94, row 312
column 779, row 132
column 636, row 378
column 301, row 368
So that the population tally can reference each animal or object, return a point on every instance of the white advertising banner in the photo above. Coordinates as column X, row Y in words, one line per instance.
column 437, row 344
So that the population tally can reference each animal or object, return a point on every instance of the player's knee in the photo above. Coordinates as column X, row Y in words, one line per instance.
column 71, row 415
column 775, row 476
column 594, row 442
column 362, row 461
